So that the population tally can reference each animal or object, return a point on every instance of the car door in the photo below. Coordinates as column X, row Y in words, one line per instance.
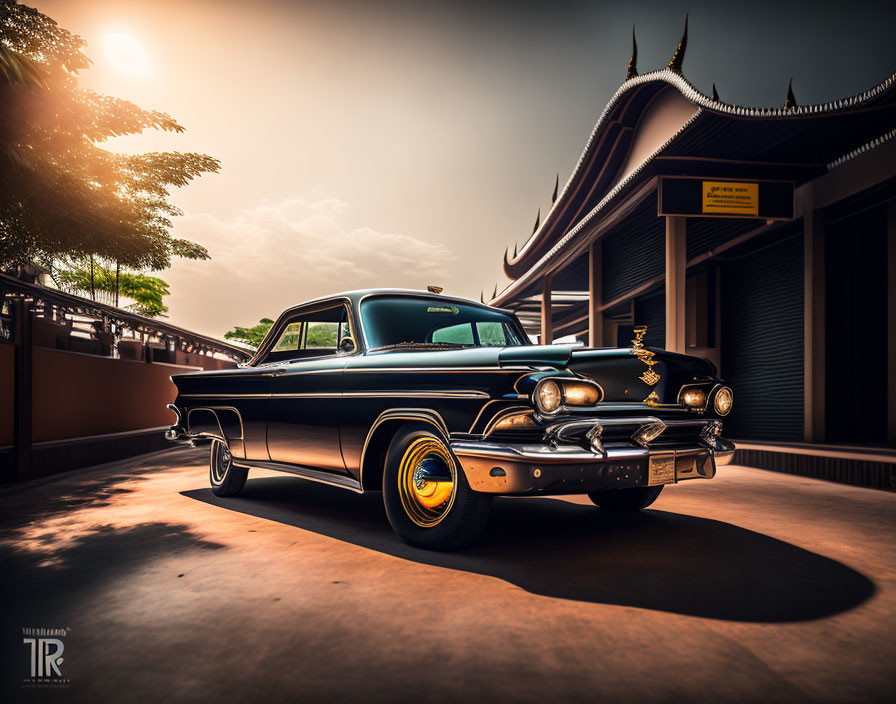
column 306, row 390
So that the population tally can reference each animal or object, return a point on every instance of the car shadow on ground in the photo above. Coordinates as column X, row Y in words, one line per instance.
column 654, row 559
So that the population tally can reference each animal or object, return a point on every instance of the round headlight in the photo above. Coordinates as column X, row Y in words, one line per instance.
column 723, row 401
column 694, row 398
column 548, row 396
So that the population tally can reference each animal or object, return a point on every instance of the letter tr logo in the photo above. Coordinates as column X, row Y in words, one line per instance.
column 46, row 656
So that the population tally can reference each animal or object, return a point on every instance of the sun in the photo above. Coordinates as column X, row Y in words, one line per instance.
column 125, row 54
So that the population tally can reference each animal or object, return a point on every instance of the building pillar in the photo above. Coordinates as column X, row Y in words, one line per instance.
column 814, row 364
column 891, row 318
column 595, row 316
column 676, row 273
column 547, row 323
column 22, row 393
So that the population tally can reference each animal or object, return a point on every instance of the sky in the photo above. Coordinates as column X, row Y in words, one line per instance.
column 403, row 144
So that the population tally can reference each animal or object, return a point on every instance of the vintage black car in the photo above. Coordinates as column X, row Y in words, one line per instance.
column 442, row 403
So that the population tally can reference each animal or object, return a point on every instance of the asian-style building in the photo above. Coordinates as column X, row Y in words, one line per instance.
column 761, row 238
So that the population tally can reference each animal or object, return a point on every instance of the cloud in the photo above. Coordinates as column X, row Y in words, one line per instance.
column 276, row 255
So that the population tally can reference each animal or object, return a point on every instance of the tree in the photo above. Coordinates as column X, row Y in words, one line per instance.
column 104, row 284
column 61, row 194
column 251, row 336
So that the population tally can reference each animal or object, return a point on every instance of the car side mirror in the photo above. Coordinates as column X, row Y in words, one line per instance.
column 347, row 345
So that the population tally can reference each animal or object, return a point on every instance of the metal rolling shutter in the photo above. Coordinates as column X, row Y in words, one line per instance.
column 762, row 341
column 651, row 312
column 634, row 255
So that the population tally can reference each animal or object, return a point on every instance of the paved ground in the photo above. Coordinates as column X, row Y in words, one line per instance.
column 752, row 587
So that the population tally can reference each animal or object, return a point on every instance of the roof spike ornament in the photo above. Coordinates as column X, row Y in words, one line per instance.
column 556, row 188
column 537, row 221
column 481, row 296
column 495, row 293
column 715, row 94
column 633, row 62
column 678, row 56
column 790, row 103
column 514, row 250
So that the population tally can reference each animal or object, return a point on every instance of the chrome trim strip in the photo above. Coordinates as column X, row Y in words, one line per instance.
column 514, row 370
column 482, row 410
column 234, row 396
column 420, row 414
column 317, row 304
column 354, row 394
column 338, row 480
column 425, row 294
column 176, row 412
column 546, row 455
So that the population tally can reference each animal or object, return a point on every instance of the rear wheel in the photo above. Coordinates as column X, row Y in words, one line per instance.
column 226, row 479
column 633, row 499
column 427, row 498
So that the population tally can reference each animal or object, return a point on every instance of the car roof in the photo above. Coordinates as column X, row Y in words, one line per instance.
column 356, row 295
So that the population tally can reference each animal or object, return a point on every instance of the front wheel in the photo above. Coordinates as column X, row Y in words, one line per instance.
column 427, row 498
column 226, row 478
column 633, row 499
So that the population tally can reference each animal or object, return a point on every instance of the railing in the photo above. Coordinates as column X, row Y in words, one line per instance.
column 76, row 374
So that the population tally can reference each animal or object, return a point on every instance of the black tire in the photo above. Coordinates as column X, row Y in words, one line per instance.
column 225, row 478
column 452, row 524
column 633, row 499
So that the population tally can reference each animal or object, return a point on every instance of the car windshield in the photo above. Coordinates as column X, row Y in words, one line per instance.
column 409, row 322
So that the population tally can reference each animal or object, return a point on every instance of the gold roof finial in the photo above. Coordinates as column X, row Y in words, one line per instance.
column 633, row 62
column 434, row 289
column 790, row 103
column 678, row 56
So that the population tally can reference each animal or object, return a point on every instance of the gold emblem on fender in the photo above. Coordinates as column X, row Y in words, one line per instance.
column 650, row 377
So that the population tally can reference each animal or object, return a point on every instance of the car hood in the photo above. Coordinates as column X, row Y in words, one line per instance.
column 620, row 371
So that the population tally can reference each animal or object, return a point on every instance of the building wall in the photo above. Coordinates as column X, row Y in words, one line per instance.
column 856, row 329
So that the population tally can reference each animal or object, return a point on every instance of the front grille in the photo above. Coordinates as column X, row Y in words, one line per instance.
column 674, row 435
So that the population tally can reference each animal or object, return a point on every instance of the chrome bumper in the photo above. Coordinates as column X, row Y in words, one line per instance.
column 507, row 468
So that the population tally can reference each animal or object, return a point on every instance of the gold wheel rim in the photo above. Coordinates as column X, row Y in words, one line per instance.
column 426, row 502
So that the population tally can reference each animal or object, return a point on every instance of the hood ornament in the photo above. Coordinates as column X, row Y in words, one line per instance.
column 650, row 377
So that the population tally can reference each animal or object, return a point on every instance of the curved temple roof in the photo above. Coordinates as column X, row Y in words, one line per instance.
column 661, row 116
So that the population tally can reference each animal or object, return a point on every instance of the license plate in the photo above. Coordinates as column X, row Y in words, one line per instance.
column 661, row 470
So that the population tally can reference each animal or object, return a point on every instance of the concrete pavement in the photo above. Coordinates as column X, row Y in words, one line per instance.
column 754, row 586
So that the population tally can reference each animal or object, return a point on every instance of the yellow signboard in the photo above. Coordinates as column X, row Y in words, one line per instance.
column 730, row 198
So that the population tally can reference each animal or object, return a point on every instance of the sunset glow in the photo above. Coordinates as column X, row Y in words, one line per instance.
column 125, row 54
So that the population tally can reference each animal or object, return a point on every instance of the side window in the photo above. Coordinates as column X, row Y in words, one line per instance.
column 290, row 339
column 315, row 334
column 491, row 334
column 323, row 335
column 456, row 334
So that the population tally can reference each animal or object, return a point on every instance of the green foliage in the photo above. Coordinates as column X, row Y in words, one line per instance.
column 251, row 336
column 322, row 335
column 146, row 291
column 61, row 194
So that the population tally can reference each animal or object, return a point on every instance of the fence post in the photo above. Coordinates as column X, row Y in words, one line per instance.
column 22, row 397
